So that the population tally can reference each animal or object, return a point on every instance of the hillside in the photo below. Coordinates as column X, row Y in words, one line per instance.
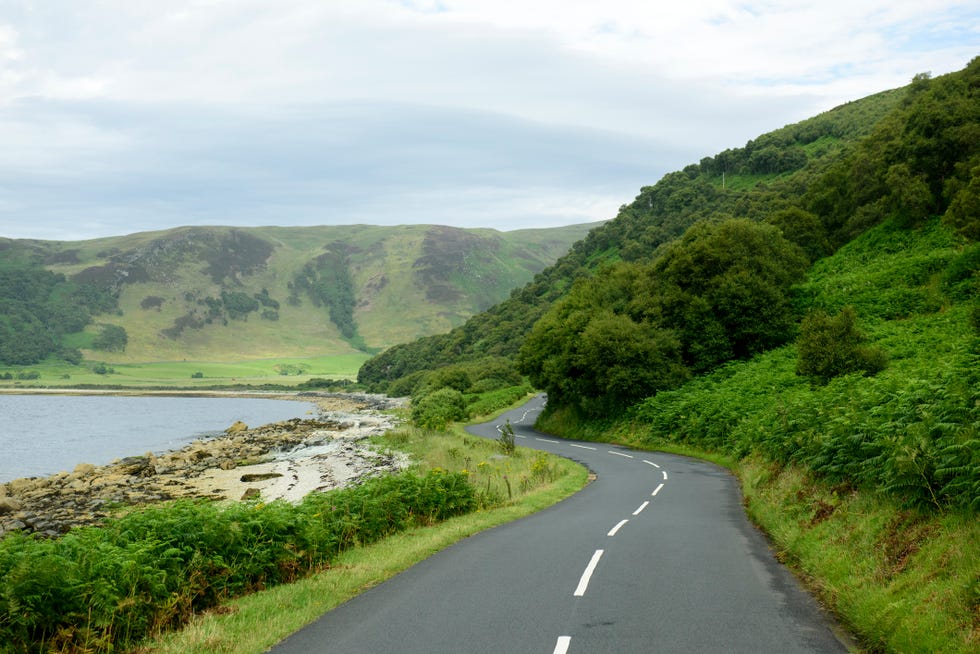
column 226, row 294
column 806, row 311
column 771, row 173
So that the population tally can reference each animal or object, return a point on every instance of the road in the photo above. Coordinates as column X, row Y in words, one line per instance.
column 655, row 555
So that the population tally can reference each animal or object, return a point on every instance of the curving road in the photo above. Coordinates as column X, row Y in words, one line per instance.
column 655, row 555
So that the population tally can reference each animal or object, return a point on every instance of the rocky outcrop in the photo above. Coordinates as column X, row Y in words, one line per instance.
column 283, row 460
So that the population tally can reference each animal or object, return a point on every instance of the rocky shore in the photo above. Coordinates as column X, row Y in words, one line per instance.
column 284, row 460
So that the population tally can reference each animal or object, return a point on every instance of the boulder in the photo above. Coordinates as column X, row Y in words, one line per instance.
column 9, row 505
column 237, row 427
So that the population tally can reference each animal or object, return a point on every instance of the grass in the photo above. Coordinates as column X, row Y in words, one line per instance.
column 181, row 373
column 904, row 581
column 255, row 622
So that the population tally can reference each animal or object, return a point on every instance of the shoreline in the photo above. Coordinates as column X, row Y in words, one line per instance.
column 279, row 461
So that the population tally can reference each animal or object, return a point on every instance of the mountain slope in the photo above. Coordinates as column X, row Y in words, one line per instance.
column 225, row 293
column 907, row 153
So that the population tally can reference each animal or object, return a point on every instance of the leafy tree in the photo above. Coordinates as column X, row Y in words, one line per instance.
column 963, row 213
column 239, row 304
column 589, row 353
column 804, row 229
column 725, row 287
column 112, row 338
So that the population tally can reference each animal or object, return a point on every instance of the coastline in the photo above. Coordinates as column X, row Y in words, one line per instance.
column 279, row 461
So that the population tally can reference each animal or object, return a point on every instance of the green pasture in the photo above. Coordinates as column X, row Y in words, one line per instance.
column 186, row 374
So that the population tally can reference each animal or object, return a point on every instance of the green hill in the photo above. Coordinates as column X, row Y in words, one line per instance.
column 806, row 310
column 230, row 294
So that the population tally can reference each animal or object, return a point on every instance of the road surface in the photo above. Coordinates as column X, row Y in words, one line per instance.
column 655, row 555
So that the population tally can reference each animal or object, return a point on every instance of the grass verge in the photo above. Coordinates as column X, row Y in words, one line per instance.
column 902, row 580
column 251, row 624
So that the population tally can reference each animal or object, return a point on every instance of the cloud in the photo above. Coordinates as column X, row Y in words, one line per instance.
column 129, row 115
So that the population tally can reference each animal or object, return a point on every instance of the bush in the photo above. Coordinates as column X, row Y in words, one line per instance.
column 103, row 589
column 832, row 346
column 439, row 408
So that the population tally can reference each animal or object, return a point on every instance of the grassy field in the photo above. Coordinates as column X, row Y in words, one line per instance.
column 187, row 374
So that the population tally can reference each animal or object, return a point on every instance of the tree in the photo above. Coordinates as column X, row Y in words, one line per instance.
column 963, row 213
column 113, row 338
column 724, row 286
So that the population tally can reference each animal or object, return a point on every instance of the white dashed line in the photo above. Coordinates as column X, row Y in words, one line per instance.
column 582, row 447
column 545, row 440
column 561, row 647
column 642, row 506
column 583, row 583
column 612, row 532
column 627, row 456
column 665, row 475
column 651, row 463
column 656, row 490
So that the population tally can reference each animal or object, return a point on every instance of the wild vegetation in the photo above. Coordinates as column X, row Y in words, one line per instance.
column 101, row 588
column 807, row 308
column 151, row 570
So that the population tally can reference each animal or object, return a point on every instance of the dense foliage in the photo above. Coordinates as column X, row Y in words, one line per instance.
column 719, row 292
column 328, row 283
column 907, row 154
column 38, row 307
column 715, row 304
column 101, row 589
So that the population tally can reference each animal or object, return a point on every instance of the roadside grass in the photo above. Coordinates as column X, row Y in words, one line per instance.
column 513, row 487
column 904, row 580
column 285, row 371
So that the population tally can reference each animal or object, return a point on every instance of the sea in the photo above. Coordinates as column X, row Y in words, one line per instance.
column 45, row 434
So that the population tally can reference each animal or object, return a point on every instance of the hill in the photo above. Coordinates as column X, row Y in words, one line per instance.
column 805, row 310
column 227, row 293
column 905, row 154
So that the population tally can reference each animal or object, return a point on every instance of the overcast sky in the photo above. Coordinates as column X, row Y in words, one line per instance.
column 120, row 116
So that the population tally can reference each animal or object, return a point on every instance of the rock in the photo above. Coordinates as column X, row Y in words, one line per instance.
column 136, row 466
column 250, row 494
column 228, row 464
column 262, row 476
column 236, row 428
column 84, row 469
column 9, row 505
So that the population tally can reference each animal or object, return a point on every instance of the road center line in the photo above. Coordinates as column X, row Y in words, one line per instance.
column 583, row 447
column 651, row 463
column 583, row 583
column 665, row 475
column 628, row 456
column 561, row 647
column 612, row 532
column 656, row 490
column 545, row 440
column 642, row 506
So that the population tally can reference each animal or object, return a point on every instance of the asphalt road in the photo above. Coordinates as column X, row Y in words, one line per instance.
column 655, row 555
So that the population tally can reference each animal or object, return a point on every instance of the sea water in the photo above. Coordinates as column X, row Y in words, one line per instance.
column 45, row 434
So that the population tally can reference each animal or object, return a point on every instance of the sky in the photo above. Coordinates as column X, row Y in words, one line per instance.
column 123, row 116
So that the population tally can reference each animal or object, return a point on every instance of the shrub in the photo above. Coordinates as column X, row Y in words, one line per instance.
column 101, row 589
column 831, row 346
column 437, row 409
